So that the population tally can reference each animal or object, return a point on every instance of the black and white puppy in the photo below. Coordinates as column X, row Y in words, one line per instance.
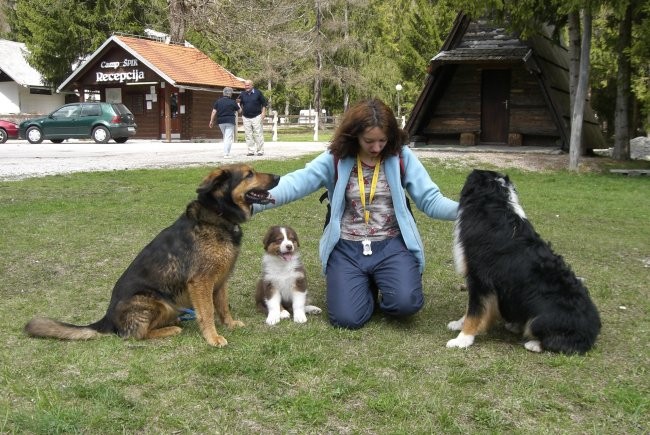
column 511, row 273
column 282, row 290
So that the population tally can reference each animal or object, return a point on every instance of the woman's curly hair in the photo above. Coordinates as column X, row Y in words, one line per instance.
column 363, row 115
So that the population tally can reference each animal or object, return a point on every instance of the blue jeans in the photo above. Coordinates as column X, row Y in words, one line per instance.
column 228, row 133
column 354, row 281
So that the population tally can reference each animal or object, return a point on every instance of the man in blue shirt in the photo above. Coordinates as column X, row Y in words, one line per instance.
column 253, row 105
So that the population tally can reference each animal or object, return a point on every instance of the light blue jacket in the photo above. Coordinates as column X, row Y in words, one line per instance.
column 320, row 173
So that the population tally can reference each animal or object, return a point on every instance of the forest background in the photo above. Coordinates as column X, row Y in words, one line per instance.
column 324, row 54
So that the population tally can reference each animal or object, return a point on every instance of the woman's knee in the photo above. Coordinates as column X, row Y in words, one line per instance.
column 401, row 303
column 347, row 321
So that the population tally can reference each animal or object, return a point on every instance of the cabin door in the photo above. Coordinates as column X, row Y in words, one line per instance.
column 495, row 99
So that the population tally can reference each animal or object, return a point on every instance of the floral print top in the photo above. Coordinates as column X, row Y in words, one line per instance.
column 382, row 224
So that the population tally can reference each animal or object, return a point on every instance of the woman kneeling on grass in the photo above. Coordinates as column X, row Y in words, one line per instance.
column 371, row 249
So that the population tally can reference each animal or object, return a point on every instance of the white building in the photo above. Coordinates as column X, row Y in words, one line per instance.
column 22, row 90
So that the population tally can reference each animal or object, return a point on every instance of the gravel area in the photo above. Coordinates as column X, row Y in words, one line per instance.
column 20, row 159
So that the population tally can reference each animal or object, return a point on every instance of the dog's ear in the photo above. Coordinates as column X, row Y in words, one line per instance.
column 293, row 236
column 267, row 237
column 213, row 181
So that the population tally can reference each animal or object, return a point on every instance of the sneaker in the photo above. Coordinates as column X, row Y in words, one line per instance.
column 260, row 153
column 226, row 156
column 250, row 154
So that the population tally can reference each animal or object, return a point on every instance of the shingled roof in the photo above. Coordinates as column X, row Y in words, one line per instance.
column 179, row 65
column 484, row 42
column 16, row 67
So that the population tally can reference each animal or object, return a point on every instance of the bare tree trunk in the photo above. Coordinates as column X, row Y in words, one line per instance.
column 177, row 18
column 319, row 60
column 623, row 78
column 577, row 115
column 346, row 35
column 574, row 55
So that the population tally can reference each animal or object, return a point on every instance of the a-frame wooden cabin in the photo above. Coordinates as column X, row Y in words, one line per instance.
column 487, row 87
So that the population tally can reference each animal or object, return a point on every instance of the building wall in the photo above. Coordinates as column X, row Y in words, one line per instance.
column 39, row 103
column 194, row 123
column 200, row 108
column 15, row 99
column 148, row 120
column 9, row 100
column 529, row 112
column 458, row 109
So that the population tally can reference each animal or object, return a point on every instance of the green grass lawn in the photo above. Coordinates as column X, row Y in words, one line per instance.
column 66, row 239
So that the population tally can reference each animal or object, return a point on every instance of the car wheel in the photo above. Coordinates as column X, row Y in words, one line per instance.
column 34, row 134
column 3, row 136
column 56, row 140
column 101, row 134
column 121, row 139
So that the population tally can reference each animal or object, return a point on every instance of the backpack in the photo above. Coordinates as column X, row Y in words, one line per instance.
column 325, row 194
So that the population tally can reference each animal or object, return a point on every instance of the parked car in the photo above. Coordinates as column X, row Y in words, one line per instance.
column 8, row 130
column 99, row 121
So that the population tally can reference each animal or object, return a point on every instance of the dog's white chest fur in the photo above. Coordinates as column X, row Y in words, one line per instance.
column 282, row 274
column 459, row 253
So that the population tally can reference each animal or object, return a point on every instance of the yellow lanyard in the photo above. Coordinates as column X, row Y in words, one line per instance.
column 362, row 187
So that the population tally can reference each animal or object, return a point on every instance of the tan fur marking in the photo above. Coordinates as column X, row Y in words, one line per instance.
column 164, row 332
column 478, row 324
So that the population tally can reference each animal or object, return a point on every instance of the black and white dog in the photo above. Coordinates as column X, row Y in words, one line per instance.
column 511, row 273
column 282, row 290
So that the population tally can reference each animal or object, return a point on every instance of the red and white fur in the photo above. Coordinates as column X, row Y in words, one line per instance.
column 282, row 290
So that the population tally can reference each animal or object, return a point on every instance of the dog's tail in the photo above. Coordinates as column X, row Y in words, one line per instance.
column 50, row 328
column 568, row 335
column 578, row 342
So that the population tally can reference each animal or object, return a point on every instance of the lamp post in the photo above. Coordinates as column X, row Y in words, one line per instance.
column 398, row 88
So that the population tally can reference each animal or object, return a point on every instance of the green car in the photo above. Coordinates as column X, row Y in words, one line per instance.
column 99, row 121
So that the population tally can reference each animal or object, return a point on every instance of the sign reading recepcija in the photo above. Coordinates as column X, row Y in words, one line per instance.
column 133, row 75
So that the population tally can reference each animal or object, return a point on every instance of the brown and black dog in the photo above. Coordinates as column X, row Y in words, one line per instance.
column 187, row 265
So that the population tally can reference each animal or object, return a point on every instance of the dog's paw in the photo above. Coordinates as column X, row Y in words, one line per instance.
column 461, row 341
column 533, row 346
column 273, row 318
column 312, row 309
column 456, row 325
column 299, row 317
column 217, row 341
column 235, row 324
column 284, row 314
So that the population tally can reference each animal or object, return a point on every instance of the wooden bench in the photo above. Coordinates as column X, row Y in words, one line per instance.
column 630, row 172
